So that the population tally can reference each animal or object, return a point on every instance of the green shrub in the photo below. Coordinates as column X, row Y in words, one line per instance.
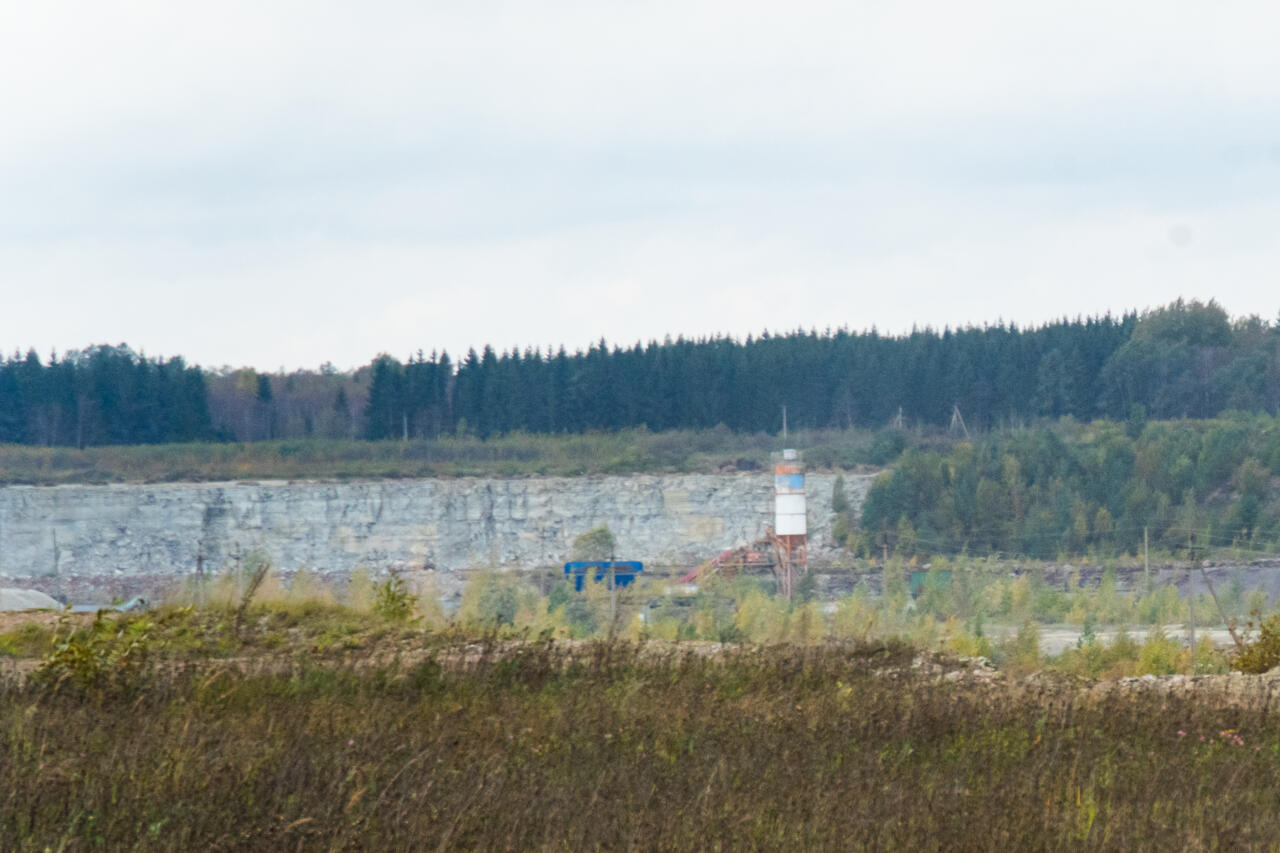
column 392, row 600
column 1022, row 652
column 1262, row 654
column 1160, row 654
column 30, row 640
column 888, row 446
column 108, row 656
column 595, row 544
column 492, row 600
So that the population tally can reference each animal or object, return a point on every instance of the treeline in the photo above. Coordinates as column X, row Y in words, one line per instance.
column 1075, row 489
column 102, row 395
column 110, row 395
column 836, row 379
column 1187, row 359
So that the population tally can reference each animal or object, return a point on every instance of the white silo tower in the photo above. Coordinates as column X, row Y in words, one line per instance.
column 790, row 523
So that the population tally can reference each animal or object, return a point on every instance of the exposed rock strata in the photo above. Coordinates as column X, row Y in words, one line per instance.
column 124, row 538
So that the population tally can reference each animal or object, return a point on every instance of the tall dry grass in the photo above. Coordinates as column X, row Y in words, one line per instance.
column 617, row 747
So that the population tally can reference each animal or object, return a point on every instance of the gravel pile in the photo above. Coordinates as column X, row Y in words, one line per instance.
column 12, row 598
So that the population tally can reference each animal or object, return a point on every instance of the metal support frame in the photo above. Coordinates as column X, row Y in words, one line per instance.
column 792, row 552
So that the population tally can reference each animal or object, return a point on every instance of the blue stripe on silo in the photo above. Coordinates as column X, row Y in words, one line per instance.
column 788, row 483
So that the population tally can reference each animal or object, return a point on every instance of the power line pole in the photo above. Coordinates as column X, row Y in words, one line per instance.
column 613, row 600
column 1196, row 557
column 1192, row 605
column 613, row 595
column 1235, row 638
column 1191, row 592
column 1146, row 560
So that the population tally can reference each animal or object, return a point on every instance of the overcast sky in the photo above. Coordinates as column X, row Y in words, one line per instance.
column 280, row 184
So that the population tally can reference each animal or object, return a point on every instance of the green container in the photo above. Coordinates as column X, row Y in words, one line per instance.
column 919, row 578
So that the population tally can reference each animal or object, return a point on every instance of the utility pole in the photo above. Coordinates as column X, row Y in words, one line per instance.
column 784, row 424
column 1231, row 628
column 1192, row 605
column 1146, row 560
column 957, row 420
column 1197, row 561
column 613, row 596
column 613, row 599
column 1191, row 590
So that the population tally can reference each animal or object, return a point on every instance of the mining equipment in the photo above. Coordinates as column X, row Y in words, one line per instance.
column 758, row 555
column 618, row 572
column 783, row 549
column 771, row 553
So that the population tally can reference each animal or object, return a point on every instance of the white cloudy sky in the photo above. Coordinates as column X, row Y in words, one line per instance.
column 280, row 184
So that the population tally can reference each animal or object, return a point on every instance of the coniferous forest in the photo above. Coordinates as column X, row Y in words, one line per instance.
column 1187, row 359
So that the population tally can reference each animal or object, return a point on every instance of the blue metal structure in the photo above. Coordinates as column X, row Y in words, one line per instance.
column 624, row 571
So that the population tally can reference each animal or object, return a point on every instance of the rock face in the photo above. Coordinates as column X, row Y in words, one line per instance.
column 126, row 538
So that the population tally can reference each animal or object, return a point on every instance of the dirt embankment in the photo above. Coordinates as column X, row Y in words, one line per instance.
column 1235, row 689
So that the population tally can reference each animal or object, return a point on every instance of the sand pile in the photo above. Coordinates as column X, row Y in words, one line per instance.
column 12, row 598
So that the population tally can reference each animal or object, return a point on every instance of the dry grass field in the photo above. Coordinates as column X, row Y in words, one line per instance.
column 321, row 728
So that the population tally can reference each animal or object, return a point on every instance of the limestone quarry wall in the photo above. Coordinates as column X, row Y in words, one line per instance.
column 74, row 540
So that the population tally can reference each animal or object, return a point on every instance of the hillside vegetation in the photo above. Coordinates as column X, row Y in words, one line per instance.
column 636, row 451
column 1083, row 489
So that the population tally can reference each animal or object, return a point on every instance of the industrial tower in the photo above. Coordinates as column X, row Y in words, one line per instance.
column 790, row 527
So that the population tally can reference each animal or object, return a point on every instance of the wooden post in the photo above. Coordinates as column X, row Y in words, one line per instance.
column 1191, row 591
column 884, row 571
column 1193, row 630
column 1231, row 628
column 613, row 599
column 1146, row 559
